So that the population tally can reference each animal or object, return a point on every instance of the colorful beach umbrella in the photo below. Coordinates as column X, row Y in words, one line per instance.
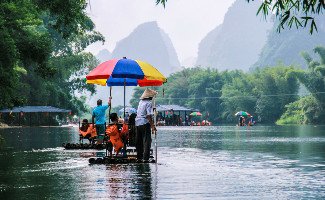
column 120, row 71
column 242, row 113
column 196, row 114
column 125, row 72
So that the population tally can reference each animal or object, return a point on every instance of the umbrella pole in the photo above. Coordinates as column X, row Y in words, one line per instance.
column 109, row 114
column 155, row 132
column 124, row 98
column 110, row 107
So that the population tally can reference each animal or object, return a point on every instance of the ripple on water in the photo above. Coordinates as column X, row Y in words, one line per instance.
column 194, row 163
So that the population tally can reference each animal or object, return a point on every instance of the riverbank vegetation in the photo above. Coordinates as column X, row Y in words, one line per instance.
column 270, row 94
column 42, row 56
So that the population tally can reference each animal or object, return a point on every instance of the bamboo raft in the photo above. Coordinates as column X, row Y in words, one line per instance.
column 69, row 146
column 116, row 160
column 130, row 157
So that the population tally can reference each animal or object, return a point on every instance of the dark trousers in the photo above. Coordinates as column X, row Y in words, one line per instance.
column 143, row 139
column 100, row 130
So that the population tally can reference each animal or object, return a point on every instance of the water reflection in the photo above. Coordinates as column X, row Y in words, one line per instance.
column 194, row 163
column 143, row 181
column 119, row 181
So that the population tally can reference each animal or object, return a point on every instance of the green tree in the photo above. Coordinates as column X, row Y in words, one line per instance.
column 205, row 90
column 306, row 110
column 238, row 94
column 136, row 96
column 263, row 93
column 42, row 57
column 176, row 89
column 314, row 80
column 277, row 86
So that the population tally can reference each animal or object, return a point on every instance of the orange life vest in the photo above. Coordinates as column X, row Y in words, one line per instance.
column 115, row 136
column 91, row 130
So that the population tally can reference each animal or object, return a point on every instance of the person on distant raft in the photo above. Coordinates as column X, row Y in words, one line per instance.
column 144, row 124
column 240, row 121
column 244, row 119
column 99, row 115
column 251, row 121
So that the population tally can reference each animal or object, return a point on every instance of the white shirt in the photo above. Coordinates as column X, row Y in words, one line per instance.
column 144, row 109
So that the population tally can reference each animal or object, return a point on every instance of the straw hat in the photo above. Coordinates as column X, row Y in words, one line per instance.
column 148, row 93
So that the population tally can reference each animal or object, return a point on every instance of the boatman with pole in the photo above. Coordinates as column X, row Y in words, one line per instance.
column 99, row 115
column 144, row 125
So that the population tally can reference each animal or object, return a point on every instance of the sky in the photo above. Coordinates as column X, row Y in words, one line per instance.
column 186, row 22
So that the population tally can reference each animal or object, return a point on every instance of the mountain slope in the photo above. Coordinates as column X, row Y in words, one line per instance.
column 237, row 42
column 151, row 44
column 286, row 47
column 103, row 55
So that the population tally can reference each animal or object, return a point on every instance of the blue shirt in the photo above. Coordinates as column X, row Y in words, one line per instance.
column 99, row 114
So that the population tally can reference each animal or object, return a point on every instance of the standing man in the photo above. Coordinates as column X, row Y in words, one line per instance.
column 99, row 114
column 144, row 124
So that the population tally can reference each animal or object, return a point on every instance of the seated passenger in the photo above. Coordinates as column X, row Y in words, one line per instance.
column 120, row 120
column 87, row 131
column 115, row 134
column 131, row 141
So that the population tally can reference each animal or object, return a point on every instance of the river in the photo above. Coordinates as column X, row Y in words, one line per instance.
column 220, row 162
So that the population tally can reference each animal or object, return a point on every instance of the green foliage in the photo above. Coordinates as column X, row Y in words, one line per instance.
column 263, row 93
column 293, row 115
column 306, row 110
column 297, row 13
column 312, row 107
column 314, row 78
column 136, row 96
column 204, row 86
column 41, row 58
column 194, row 88
column 163, row 2
column 237, row 94
column 277, row 86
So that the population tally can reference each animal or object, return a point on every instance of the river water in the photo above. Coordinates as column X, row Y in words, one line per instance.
column 225, row 162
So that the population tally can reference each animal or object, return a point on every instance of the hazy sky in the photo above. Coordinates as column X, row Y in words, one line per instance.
column 185, row 21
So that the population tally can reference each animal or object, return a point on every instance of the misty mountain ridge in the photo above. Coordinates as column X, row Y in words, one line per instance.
column 189, row 61
column 286, row 47
column 104, row 55
column 151, row 44
column 148, row 43
column 237, row 42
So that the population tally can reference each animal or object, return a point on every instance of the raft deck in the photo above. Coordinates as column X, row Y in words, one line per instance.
column 116, row 160
column 84, row 146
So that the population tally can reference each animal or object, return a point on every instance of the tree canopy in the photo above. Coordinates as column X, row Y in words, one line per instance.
column 41, row 60
column 272, row 94
column 219, row 95
column 309, row 109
